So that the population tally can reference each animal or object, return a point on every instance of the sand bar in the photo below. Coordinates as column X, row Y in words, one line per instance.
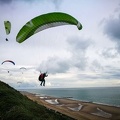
column 78, row 110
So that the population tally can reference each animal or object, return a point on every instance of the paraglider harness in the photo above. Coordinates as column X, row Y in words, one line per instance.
column 40, row 78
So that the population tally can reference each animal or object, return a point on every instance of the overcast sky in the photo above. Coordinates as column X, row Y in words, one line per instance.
column 73, row 58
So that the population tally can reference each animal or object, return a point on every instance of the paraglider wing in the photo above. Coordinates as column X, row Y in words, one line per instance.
column 23, row 68
column 19, row 82
column 8, row 61
column 7, row 25
column 45, row 21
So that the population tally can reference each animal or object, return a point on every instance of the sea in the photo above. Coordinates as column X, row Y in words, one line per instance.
column 101, row 95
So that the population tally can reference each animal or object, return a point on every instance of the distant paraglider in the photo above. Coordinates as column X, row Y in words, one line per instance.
column 22, row 69
column 8, row 61
column 45, row 21
column 6, row 39
column 7, row 25
column 19, row 83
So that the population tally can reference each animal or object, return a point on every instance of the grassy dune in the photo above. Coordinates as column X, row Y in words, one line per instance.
column 15, row 106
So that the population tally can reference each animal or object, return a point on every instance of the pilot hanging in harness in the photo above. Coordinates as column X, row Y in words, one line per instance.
column 42, row 78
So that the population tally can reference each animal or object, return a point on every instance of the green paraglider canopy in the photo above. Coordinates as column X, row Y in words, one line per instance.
column 45, row 21
column 7, row 25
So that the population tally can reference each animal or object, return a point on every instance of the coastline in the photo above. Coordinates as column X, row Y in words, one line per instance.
column 76, row 109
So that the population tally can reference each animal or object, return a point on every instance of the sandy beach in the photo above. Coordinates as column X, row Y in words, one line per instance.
column 79, row 110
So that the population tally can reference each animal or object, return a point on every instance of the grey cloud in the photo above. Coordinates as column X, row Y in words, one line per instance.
column 78, row 58
column 112, row 28
column 57, row 3
column 78, row 44
column 89, row 77
column 54, row 65
column 10, row 1
column 111, row 73
column 80, row 62
column 106, row 75
column 78, row 47
column 109, row 53
column 5, row 1
column 96, row 66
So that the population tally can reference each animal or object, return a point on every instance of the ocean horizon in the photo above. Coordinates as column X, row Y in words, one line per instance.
column 101, row 95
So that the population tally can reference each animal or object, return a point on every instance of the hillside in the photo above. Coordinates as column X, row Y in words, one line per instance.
column 15, row 106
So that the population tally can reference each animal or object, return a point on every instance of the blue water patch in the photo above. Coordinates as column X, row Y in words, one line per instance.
column 108, row 95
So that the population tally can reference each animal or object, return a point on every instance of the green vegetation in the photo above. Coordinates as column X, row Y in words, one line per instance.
column 15, row 106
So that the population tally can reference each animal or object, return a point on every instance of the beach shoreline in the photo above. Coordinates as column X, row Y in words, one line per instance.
column 76, row 109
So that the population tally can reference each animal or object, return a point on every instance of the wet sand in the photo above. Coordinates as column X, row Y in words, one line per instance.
column 79, row 110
